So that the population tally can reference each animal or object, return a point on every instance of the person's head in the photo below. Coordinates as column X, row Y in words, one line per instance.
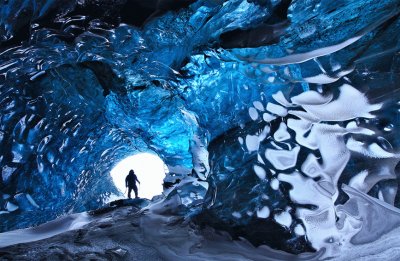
column 131, row 172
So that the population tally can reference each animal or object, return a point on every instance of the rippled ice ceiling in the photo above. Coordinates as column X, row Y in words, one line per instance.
column 282, row 115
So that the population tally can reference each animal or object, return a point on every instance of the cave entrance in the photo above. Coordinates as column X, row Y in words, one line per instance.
column 150, row 170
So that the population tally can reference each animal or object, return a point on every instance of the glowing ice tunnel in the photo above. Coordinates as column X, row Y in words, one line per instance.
column 149, row 169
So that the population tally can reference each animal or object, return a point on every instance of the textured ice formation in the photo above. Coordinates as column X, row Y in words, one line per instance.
column 276, row 119
column 316, row 128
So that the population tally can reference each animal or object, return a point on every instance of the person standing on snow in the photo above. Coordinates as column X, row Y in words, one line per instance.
column 130, row 183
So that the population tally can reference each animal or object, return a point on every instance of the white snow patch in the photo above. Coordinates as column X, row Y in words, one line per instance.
column 373, row 150
column 11, row 207
column 311, row 98
column 263, row 212
column 253, row 113
column 299, row 230
column 260, row 159
column 277, row 109
column 258, row 105
column 283, row 218
column 282, row 159
column 280, row 98
column 311, row 166
column 252, row 142
column 281, row 133
column 350, row 104
column 268, row 117
column 260, row 172
column 274, row 184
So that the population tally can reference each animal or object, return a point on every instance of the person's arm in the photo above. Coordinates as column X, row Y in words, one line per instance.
column 137, row 180
column 126, row 181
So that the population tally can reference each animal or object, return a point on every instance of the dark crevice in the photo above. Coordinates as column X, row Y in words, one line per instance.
column 106, row 77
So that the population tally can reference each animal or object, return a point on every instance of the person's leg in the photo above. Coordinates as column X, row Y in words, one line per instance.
column 129, row 192
column 136, row 191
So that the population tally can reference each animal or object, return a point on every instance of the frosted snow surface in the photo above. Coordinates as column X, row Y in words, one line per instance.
column 52, row 228
column 330, row 226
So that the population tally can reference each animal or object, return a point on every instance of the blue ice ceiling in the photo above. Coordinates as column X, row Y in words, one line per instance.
column 263, row 100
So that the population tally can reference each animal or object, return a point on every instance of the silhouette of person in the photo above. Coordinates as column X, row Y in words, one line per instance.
column 130, row 183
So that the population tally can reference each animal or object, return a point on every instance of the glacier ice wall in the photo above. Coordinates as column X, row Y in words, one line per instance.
column 287, row 109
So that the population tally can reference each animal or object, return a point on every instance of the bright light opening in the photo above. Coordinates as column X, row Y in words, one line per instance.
column 149, row 169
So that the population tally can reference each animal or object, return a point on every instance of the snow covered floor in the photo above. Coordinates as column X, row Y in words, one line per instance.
column 49, row 229
column 127, row 233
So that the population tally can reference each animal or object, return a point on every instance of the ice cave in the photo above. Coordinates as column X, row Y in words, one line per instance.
column 272, row 124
